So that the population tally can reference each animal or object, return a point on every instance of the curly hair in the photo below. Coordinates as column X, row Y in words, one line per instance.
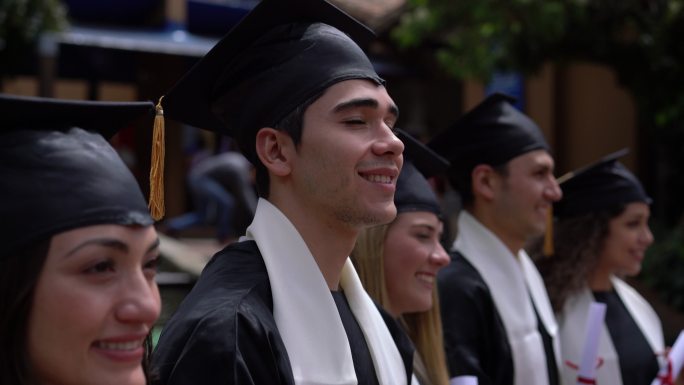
column 578, row 241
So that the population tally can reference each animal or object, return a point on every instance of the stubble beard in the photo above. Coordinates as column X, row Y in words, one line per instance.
column 358, row 218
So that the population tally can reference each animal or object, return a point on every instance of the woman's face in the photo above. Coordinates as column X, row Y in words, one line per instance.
column 95, row 302
column 413, row 256
column 628, row 238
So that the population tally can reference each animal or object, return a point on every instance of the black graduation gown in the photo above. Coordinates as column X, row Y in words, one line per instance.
column 224, row 331
column 475, row 340
column 638, row 363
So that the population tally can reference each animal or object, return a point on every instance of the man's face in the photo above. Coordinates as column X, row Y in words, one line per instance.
column 525, row 195
column 348, row 159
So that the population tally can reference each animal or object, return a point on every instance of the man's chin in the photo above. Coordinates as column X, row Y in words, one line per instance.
column 381, row 217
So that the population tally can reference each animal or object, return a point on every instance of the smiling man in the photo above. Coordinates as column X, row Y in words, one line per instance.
column 498, row 322
column 284, row 305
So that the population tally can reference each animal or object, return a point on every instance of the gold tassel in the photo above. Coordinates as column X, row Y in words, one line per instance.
column 548, row 235
column 156, row 204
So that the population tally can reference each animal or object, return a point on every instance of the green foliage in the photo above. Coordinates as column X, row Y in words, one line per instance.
column 639, row 39
column 474, row 38
column 663, row 266
column 21, row 23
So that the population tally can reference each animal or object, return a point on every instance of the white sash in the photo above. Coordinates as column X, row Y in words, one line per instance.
column 512, row 281
column 572, row 322
column 305, row 311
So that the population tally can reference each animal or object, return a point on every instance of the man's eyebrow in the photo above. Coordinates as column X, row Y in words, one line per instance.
column 364, row 102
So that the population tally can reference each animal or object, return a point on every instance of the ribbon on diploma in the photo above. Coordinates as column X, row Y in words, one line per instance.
column 582, row 379
column 666, row 378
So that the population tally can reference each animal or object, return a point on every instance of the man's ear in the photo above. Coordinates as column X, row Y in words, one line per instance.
column 484, row 181
column 275, row 149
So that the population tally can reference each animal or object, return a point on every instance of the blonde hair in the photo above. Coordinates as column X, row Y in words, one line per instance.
column 424, row 328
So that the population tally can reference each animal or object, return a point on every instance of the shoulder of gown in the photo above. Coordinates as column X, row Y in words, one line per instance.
column 475, row 340
column 224, row 331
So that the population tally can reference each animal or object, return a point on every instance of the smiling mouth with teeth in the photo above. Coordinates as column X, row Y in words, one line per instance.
column 132, row 345
column 426, row 278
column 378, row 178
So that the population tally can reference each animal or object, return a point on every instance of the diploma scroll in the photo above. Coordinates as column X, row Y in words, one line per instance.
column 675, row 360
column 463, row 380
column 587, row 369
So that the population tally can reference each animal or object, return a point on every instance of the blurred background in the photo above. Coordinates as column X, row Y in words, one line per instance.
column 596, row 76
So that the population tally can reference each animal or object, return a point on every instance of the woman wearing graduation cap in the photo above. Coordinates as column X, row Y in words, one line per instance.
column 77, row 266
column 398, row 262
column 601, row 237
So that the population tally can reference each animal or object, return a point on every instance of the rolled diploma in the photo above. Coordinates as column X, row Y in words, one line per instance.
column 587, row 368
column 676, row 356
column 463, row 380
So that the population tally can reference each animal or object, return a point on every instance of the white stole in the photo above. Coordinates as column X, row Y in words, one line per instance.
column 572, row 321
column 512, row 281
column 305, row 311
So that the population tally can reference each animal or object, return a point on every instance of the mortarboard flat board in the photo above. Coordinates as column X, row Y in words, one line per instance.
column 492, row 133
column 282, row 54
column 57, row 176
column 603, row 184
column 414, row 193
column 36, row 113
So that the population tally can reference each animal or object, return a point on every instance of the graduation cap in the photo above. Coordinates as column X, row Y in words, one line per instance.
column 602, row 184
column 282, row 54
column 492, row 133
column 413, row 190
column 57, row 176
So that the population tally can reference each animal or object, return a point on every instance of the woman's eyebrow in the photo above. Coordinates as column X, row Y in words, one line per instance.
column 154, row 245
column 103, row 242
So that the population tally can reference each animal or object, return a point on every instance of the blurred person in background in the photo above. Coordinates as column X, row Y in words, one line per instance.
column 223, row 194
column 600, row 237
column 497, row 319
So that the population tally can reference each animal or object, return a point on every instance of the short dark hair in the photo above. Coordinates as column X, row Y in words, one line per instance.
column 292, row 124
column 464, row 183
column 19, row 275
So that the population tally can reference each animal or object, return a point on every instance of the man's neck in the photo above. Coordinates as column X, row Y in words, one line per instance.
column 329, row 243
column 489, row 220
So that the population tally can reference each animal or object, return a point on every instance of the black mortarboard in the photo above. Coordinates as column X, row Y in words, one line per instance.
column 414, row 193
column 283, row 53
column 34, row 113
column 492, row 133
column 56, row 177
column 602, row 184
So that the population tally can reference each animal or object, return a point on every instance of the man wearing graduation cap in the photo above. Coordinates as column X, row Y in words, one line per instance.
column 498, row 323
column 291, row 84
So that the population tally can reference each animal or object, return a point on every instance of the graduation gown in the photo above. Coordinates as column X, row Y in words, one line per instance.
column 497, row 319
column 224, row 331
column 642, row 326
